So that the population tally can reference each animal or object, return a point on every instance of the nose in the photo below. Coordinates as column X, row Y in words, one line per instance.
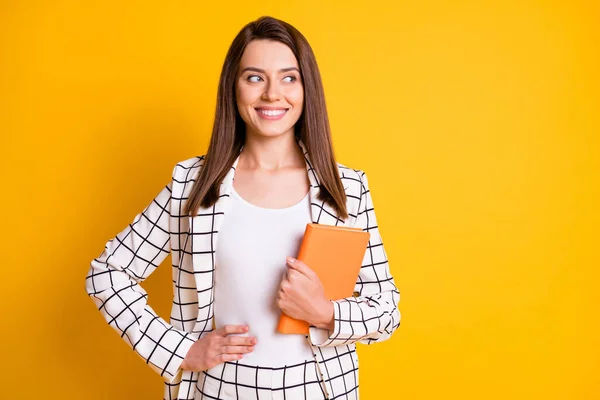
column 272, row 92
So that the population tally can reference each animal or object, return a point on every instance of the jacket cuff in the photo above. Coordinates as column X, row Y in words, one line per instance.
column 324, row 337
column 173, row 366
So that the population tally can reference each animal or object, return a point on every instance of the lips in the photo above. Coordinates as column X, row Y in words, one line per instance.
column 271, row 113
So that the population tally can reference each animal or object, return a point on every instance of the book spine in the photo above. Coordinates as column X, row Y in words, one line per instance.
column 286, row 323
column 303, row 244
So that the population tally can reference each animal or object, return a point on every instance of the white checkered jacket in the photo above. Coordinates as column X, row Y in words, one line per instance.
column 113, row 282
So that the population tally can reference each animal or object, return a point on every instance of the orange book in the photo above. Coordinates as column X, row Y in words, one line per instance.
column 335, row 253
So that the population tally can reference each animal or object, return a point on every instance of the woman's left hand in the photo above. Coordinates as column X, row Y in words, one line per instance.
column 302, row 296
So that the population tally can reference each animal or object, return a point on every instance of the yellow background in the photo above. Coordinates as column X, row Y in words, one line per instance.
column 476, row 121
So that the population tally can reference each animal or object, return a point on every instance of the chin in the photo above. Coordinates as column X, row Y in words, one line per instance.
column 271, row 133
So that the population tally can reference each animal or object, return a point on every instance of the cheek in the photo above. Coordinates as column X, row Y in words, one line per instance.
column 296, row 98
column 246, row 96
column 241, row 98
column 244, row 100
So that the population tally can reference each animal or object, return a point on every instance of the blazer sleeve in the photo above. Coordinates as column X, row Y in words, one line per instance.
column 113, row 283
column 373, row 315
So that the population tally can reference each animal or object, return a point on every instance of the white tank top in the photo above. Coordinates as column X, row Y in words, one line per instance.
column 252, row 247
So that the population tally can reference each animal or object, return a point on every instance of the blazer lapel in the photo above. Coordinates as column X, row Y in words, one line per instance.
column 204, row 229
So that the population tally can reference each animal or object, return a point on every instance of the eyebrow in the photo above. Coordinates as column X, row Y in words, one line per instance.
column 263, row 71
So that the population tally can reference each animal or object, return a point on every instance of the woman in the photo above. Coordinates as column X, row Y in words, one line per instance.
column 269, row 170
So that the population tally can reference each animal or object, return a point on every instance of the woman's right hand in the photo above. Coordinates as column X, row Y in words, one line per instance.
column 217, row 347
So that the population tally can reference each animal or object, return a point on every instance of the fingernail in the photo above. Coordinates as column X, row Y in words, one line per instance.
column 291, row 259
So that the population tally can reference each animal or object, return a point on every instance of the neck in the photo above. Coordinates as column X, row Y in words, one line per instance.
column 271, row 153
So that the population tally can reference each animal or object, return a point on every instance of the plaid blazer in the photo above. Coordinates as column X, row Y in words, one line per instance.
column 114, row 278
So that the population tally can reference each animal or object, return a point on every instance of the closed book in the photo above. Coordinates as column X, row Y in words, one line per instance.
column 335, row 253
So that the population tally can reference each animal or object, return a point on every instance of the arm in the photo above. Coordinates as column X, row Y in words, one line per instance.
column 372, row 316
column 113, row 283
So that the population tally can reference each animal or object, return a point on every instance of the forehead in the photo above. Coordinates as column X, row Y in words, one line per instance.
column 268, row 54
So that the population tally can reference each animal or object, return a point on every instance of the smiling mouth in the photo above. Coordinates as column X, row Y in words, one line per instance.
column 271, row 113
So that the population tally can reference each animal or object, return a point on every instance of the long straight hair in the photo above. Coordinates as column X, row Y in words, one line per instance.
column 229, row 130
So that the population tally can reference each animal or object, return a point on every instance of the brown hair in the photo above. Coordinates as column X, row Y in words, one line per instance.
column 229, row 130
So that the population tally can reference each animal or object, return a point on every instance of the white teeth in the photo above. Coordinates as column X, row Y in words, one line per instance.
column 271, row 113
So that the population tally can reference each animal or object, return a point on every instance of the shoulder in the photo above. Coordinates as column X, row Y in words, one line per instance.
column 187, row 170
column 353, row 179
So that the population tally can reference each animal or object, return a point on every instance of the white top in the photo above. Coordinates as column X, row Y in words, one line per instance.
column 251, row 252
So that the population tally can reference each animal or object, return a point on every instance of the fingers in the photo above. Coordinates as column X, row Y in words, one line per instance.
column 281, row 304
column 228, row 357
column 299, row 266
column 219, row 346
column 231, row 329
column 237, row 349
column 285, row 286
column 234, row 347
column 240, row 341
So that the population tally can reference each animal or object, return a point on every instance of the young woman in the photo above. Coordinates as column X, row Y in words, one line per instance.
column 269, row 170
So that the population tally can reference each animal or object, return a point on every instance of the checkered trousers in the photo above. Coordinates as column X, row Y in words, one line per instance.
column 235, row 380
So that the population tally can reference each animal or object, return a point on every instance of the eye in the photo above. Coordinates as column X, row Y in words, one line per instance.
column 253, row 78
column 292, row 78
